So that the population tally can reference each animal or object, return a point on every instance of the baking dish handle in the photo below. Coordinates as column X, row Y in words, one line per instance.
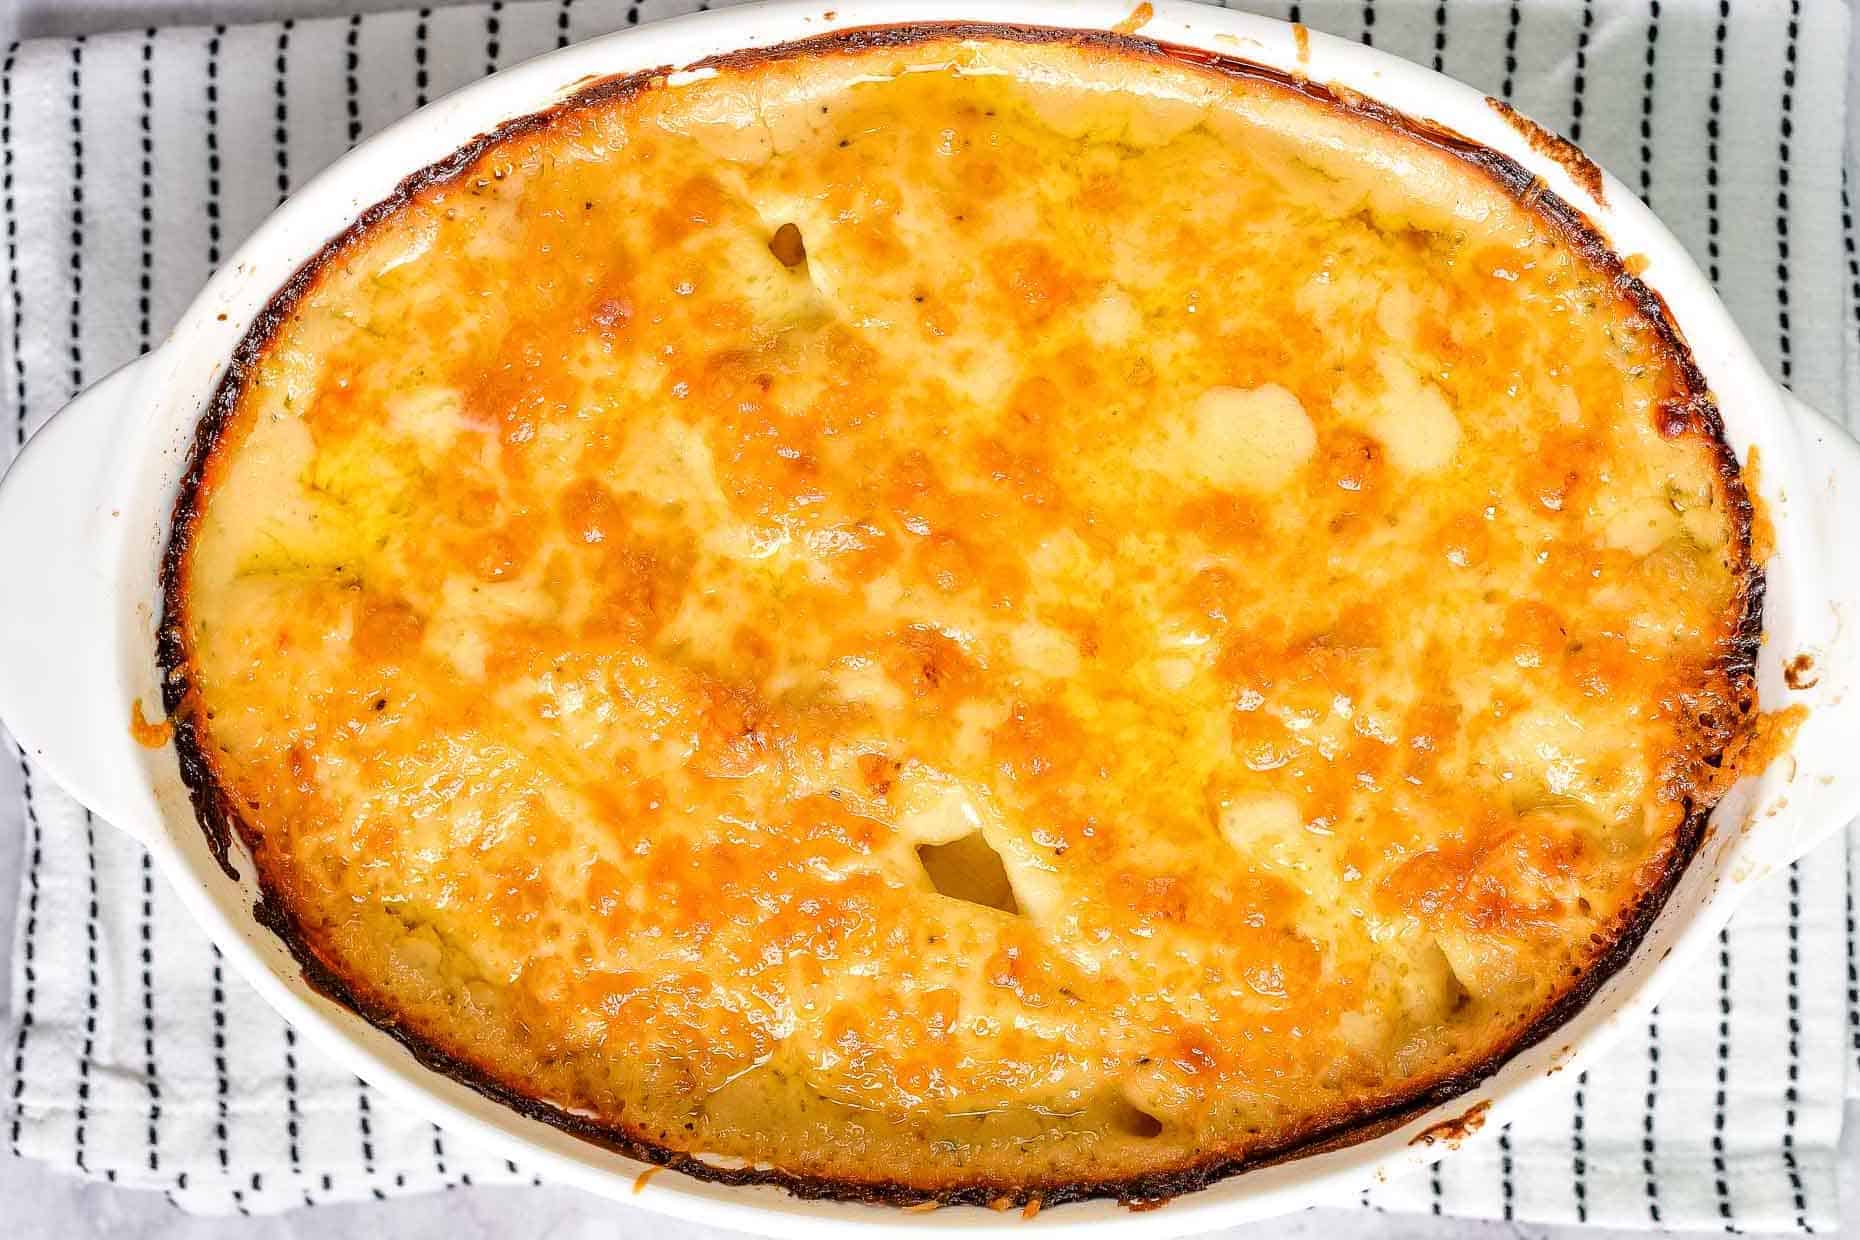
column 1821, row 664
column 61, row 690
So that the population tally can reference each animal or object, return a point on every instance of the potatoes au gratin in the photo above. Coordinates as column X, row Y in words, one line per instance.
column 964, row 614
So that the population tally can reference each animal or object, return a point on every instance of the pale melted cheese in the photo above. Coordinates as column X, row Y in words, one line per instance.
column 1246, row 522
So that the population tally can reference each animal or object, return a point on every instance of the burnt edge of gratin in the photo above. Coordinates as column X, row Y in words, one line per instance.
column 221, row 818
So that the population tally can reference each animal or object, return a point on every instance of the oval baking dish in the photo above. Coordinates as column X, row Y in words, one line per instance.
column 99, row 504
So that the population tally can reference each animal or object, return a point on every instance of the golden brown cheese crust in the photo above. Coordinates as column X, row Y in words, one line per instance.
column 1173, row 616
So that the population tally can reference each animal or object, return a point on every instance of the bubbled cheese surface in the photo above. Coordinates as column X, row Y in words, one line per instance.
column 1174, row 623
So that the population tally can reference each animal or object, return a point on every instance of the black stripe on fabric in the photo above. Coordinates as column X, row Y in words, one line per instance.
column 1434, row 1190
column 439, row 1152
column 1369, row 23
column 76, row 350
column 352, row 63
column 493, row 27
column 30, row 933
column 420, row 79
column 1508, row 1191
column 632, row 15
column 1579, row 1157
column 561, row 23
column 1514, row 19
column 281, row 135
column 12, row 267
column 223, row 1082
column 1785, row 345
column 1714, row 111
column 293, row 1117
column 151, row 1072
column 1853, row 277
column 1792, row 1093
column 1647, row 1149
column 1440, row 36
column 145, row 284
column 362, row 1111
column 1646, row 101
column 1582, row 70
column 1853, row 965
column 29, row 937
column 145, row 333
column 213, row 147
column 1853, row 974
column 92, row 908
column 1721, row 1174
column 1786, row 357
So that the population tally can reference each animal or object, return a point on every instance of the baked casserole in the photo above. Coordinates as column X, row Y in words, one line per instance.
column 964, row 614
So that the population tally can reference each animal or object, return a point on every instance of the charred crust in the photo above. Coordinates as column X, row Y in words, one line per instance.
column 1800, row 672
column 221, row 818
column 1456, row 1129
column 1582, row 170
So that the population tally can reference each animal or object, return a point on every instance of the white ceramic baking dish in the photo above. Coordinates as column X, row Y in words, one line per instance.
column 84, row 516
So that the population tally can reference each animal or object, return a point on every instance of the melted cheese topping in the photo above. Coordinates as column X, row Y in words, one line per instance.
column 1163, row 619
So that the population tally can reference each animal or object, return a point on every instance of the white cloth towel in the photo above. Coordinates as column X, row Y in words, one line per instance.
column 135, row 162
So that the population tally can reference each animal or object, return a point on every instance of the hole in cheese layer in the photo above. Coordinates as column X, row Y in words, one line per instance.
column 1165, row 620
column 968, row 869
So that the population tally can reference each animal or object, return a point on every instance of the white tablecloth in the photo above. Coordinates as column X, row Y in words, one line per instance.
column 137, row 1058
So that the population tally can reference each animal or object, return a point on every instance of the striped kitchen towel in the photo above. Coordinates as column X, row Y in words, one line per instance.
column 134, row 163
